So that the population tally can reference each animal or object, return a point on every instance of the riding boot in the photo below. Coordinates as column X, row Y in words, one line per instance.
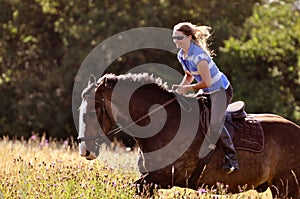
column 227, row 147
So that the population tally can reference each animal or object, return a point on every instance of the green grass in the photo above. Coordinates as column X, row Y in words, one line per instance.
column 41, row 169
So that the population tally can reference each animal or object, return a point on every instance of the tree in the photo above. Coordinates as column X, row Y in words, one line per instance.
column 264, row 62
column 43, row 43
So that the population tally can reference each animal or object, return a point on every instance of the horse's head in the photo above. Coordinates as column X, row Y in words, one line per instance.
column 94, row 118
column 88, row 123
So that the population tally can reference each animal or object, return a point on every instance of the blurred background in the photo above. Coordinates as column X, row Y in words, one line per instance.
column 44, row 42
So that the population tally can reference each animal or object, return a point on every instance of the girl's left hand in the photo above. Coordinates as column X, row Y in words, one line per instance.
column 181, row 89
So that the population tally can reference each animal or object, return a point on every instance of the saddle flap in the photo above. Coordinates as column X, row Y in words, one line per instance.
column 248, row 135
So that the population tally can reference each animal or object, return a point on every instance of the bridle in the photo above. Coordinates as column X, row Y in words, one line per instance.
column 119, row 127
column 104, row 113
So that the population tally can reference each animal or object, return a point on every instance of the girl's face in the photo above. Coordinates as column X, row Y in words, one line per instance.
column 180, row 39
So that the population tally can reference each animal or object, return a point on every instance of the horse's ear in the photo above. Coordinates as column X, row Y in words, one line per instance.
column 92, row 79
column 108, row 82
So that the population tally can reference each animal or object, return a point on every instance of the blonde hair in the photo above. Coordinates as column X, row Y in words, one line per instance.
column 200, row 34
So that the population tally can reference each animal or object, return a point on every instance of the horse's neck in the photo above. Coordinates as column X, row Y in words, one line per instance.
column 169, row 118
column 180, row 127
column 140, row 102
column 160, row 111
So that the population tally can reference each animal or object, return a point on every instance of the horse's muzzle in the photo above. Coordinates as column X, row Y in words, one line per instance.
column 87, row 154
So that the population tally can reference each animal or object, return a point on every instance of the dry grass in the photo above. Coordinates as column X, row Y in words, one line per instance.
column 48, row 169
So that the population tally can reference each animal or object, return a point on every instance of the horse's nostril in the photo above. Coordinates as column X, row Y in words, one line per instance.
column 87, row 153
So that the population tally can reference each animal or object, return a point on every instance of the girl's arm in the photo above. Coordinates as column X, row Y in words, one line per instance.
column 203, row 70
column 187, row 79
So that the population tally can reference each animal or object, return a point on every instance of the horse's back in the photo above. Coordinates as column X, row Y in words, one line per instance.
column 272, row 119
column 279, row 131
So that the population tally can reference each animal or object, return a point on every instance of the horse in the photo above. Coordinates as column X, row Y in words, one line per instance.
column 169, row 157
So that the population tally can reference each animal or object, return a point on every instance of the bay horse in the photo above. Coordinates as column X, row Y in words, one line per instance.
column 165, row 158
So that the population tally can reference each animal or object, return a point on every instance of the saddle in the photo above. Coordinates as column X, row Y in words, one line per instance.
column 246, row 132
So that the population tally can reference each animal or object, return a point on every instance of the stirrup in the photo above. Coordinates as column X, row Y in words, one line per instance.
column 230, row 170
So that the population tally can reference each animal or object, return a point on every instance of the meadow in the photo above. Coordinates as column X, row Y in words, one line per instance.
column 41, row 168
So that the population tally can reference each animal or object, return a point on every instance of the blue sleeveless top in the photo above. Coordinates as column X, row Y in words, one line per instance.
column 197, row 54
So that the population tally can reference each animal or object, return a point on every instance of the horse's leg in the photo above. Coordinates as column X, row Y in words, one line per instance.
column 262, row 188
column 144, row 187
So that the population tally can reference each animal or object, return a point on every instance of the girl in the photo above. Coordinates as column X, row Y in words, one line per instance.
column 195, row 58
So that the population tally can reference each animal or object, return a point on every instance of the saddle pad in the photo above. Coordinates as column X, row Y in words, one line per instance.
column 248, row 135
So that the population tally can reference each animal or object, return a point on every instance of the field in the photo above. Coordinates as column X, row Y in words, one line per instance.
column 39, row 168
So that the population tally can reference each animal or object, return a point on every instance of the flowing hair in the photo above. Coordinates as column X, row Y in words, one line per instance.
column 200, row 34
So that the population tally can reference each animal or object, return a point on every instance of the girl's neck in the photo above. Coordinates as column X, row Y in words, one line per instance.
column 186, row 49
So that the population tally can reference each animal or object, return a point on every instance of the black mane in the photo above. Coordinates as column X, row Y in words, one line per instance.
column 139, row 78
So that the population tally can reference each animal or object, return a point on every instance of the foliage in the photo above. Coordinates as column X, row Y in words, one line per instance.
column 41, row 169
column 31, row 56
column 43, row 43
column 265, row 60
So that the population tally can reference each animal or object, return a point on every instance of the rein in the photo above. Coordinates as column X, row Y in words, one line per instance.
column 118, row 129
